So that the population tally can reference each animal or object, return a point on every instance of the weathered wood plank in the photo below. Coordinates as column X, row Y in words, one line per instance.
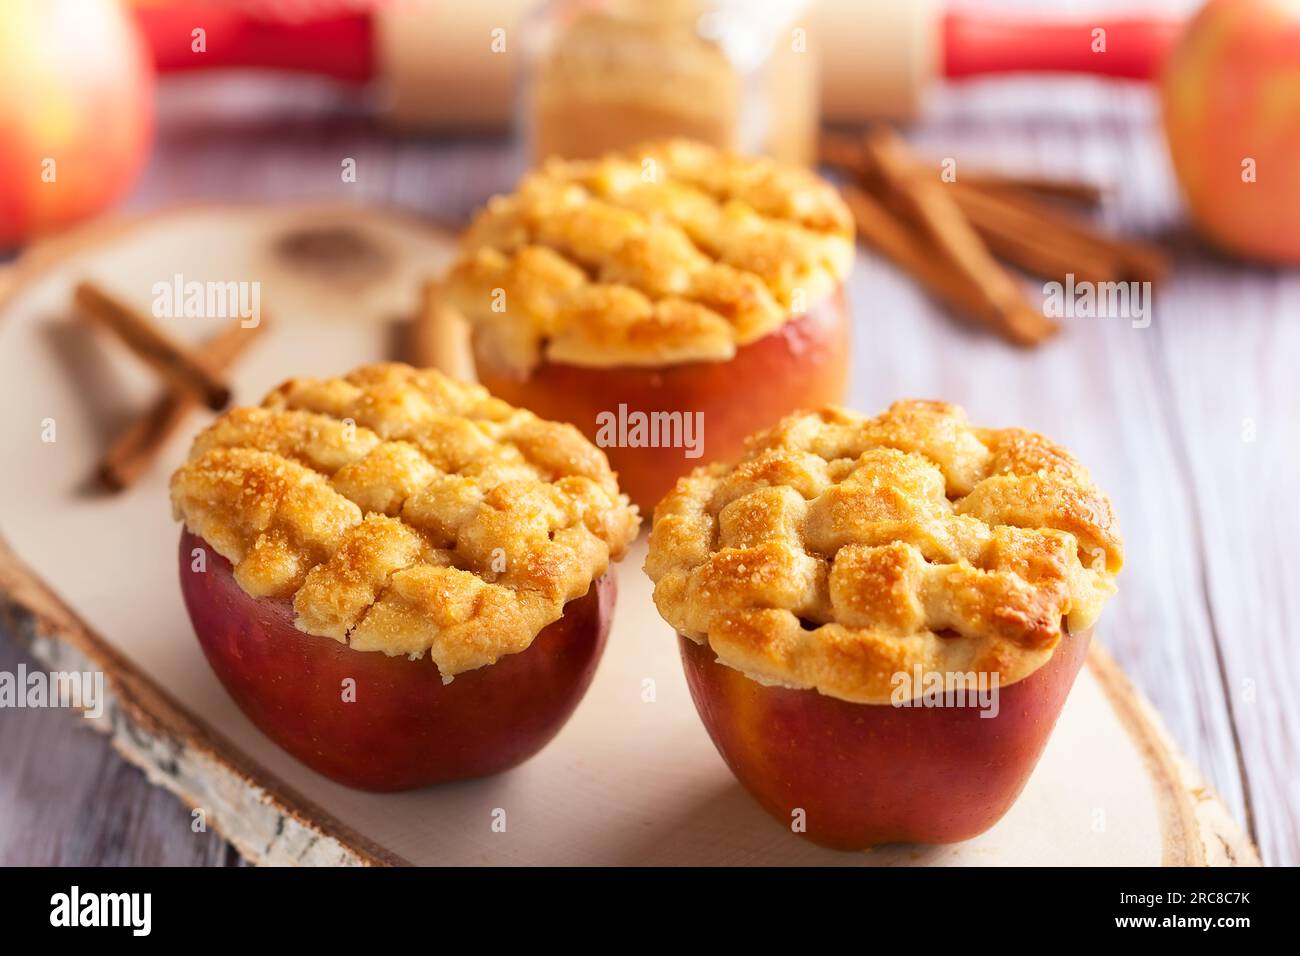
column 1229, row 353
column 67, row 799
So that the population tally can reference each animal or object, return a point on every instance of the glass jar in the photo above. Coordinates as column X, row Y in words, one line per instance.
column 606, row 74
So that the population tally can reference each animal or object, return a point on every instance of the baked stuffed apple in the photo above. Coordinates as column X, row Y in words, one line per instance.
column 636, row 294
column 400, row 579
column 880, row 618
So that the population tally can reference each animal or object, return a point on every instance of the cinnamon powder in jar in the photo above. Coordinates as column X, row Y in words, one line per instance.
column 607, row 75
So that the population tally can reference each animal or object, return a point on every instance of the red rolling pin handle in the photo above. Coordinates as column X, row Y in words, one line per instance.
column 979, row 44
column 340, row 45
column 337, row 46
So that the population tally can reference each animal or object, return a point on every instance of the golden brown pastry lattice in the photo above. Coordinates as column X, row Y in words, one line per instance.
column 668, row 253
column 843, row 551
column 405, row 512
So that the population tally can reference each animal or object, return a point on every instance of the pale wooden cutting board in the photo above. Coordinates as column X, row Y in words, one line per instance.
column 90, row 581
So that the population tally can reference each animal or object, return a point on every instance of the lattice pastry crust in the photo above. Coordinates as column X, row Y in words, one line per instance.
column 843, row 550
column 669, row 253
column 407, row 513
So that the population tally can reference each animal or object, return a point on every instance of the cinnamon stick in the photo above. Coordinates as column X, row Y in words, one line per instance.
column 1025, row 238
column 1016, row 225
column 136, row 448
column 1025, row 186
column 1047, row 243
column 176, row 363
column 440, row 337
column 996, row 299
column 898, row 240
column 846, row 152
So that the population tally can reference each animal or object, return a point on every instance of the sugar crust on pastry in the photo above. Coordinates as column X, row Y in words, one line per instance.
column 843, row 551
column 404, row 512
column 670, row 252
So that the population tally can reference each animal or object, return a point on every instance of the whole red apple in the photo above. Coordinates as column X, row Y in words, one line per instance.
column 76, row 112
column 1231, row 92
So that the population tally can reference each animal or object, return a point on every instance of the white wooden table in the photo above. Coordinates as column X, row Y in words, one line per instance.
column 1192, row 425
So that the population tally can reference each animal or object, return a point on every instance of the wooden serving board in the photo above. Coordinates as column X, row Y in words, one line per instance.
column 88, row 581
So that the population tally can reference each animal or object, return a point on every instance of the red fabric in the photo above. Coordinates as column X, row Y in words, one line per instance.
column 978, row 44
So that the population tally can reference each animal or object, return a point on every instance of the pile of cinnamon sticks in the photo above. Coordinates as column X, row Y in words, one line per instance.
column 952, row 231
column 190, row 377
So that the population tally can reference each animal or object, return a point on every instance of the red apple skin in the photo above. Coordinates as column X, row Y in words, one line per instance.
column 1231, row 92
column 803, row 364
column 405, row 728
column 76, row 87
column 866, row 774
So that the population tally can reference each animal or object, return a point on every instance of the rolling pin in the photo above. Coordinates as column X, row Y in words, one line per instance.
column 436, row 61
